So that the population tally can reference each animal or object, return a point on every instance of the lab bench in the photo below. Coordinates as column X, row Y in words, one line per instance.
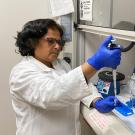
column 105, row 124
column 109, row 123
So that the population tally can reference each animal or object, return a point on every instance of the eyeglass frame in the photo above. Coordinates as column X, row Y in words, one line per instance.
column 51, row 39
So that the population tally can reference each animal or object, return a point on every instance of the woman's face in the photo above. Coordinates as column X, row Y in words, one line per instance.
column 48, row 47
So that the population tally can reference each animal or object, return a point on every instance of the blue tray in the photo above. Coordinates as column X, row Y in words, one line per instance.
column 124, row 110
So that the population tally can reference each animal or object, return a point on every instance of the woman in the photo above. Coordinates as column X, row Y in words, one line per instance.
column 45, row 91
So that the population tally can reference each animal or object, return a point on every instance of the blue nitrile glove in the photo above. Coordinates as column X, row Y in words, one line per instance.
column 105, row 57
column 106, row 105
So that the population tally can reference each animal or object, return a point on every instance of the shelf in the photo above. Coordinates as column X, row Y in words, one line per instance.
column 121, row 34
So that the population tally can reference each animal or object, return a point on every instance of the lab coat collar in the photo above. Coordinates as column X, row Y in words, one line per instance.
column 41, row 65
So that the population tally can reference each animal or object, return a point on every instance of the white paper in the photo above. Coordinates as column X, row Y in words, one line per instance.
column 86, row 10
column 102, row 121
column 61, row 7
column 66, row 22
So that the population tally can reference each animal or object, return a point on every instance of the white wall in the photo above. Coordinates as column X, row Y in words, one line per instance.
column 13, row 14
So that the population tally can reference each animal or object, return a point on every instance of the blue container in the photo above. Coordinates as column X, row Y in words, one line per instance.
column 105, row 84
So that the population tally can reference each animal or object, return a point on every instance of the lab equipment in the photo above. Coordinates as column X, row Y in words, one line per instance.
column 114, row 70
column 124, row 109
column 107, row 104
column 103, row 54
column 114, row 81
column 131, row 87
column 113, row 45
column 105, row 84
column 132, row 98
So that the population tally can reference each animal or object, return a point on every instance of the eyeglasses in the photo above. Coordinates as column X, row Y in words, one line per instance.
column 53, row 41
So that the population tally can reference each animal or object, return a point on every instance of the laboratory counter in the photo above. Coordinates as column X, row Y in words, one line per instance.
column 108, row 123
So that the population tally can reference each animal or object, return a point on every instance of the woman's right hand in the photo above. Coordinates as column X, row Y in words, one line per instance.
column 104, row 57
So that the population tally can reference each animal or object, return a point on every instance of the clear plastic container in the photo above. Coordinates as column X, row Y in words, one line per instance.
column 131, row 85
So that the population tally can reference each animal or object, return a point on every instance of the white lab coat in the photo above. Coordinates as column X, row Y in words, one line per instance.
column 46, row 101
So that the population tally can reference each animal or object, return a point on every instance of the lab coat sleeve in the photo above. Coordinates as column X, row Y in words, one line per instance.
column 88, row 100
column 42, row 90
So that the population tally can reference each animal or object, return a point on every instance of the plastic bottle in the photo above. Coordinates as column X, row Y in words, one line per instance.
column 132, row 89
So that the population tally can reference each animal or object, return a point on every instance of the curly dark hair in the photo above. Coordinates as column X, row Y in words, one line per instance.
column 32, row 32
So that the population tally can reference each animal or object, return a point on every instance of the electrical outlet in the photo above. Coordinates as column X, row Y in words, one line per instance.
column 67, row 57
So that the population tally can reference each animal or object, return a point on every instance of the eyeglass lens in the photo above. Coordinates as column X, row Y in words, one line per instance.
column 53, row 41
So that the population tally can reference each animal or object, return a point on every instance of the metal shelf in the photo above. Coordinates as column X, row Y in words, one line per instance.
column 121, row 34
